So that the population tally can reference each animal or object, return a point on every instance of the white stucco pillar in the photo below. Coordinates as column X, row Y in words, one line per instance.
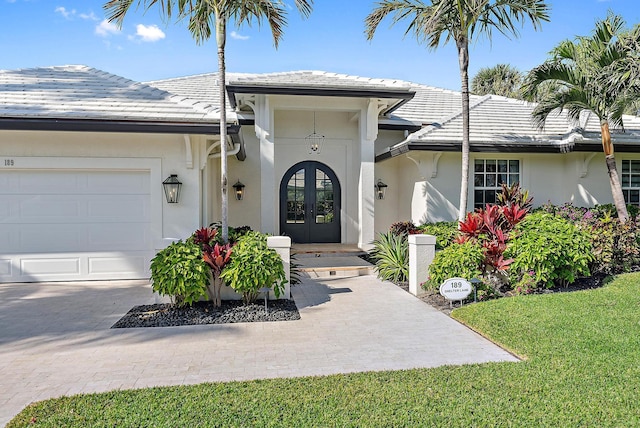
column 268, row 191
column 366, row 182
column 422, row 250
column 282, row 245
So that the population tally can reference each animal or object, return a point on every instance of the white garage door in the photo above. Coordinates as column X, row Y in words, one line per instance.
column 61, row 225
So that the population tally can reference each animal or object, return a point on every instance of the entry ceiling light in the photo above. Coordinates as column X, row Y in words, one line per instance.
column 172, row 188
column 314, row 141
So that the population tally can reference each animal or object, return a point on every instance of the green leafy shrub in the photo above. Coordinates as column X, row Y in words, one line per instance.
column 180, row 272
column 445, row 232
column 549, row 248
column 253, row 266
column 463, row 260
column 615, row 245
column 234, row 232
column 391, row 257
column 610, row 210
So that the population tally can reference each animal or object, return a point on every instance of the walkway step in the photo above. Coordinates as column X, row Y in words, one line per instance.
column 332, row 266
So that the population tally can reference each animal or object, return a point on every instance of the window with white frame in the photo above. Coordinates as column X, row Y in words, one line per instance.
column 631, row 181
column 488, row 176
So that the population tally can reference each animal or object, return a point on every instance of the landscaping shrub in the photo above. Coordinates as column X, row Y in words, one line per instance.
column 391, row 257
column 615, row 245
column 216, row 256
column 234, row 232
column 550, row 249
column 456, row 261
column 403, row 228
column 445, row 232
column 179, row 271
column 253, row 266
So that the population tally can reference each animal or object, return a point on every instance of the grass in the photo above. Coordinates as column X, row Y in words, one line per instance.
column 582, row 368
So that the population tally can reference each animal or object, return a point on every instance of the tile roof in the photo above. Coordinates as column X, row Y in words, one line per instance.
column 318, row 79
column 500, row 120
column 80, row 92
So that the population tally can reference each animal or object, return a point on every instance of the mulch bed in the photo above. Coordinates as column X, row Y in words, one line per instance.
column 231, row 311
column 434, row 298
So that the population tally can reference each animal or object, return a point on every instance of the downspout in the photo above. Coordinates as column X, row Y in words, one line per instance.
column 233, row 152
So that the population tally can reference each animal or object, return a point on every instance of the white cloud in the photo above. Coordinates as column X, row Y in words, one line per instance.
column 68, row 14
column 71, row 14
column 149, row 33
column 89, row 16
column 106, row 28
column 237, row 36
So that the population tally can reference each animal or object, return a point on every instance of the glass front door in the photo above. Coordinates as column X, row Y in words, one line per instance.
column 310, row 203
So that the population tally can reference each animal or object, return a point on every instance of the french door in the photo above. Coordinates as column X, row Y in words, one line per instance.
column 310, row 203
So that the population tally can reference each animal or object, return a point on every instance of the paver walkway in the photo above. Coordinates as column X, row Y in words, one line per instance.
column 55, row 339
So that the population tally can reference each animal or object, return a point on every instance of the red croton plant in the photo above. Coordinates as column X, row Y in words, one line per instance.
column 492, row 227
column 216, row 256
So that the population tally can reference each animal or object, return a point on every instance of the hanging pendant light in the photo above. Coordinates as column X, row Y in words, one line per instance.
column 314, row 141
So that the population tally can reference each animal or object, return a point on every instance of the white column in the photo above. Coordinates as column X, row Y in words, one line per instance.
column 366, row 182
column 282, row 245
column 268, row 191
column 422, row 250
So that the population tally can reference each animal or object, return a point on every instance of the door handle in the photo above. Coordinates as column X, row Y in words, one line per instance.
column 312, row 207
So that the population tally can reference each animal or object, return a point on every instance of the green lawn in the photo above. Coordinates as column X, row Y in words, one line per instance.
column 582, row 369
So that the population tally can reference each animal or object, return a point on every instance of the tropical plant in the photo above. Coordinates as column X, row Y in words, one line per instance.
column 216, row 256
column 616, row 245
column 234, row 232
column 514, row 195
column 180, row 272
column 403, row 228
column 581, row 72
column 445, row 232
column 456, row 261
column 254, row 266
column 391, row 257
column 501, row 79
column 459, row 21
column 202, row 14
column 550, row 249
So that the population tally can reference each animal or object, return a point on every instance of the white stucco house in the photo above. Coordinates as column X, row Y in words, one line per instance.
column 83, row 154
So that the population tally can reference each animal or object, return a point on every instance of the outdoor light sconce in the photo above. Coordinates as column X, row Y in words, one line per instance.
column 239, row 188
column 172, row 189
column 381, row 188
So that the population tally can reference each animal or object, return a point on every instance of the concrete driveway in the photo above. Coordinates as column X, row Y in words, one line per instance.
column 55, row 339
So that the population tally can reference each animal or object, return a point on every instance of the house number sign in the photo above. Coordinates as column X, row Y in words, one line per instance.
column 8, row 162
column 456, row 289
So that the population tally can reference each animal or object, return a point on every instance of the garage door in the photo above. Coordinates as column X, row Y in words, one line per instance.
column 61, row 225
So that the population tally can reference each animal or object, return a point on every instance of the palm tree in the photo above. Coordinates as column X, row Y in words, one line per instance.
column 203, row 14
column 582, row 72
column 501, row 79
column 460, row 21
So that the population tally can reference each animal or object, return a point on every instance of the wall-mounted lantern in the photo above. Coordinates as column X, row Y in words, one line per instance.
column 172, row 188
column 239, row 189
column 381, row 188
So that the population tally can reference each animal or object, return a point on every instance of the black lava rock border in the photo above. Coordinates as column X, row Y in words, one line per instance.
column 201, row 313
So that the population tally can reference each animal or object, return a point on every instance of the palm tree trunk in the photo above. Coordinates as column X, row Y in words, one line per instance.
column 463, row 58
column 614, row 179
column 221, row 38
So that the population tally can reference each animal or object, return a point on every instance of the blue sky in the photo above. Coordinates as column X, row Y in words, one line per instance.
column 58, row 32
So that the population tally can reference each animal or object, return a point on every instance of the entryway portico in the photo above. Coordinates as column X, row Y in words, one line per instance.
column 283, row 113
